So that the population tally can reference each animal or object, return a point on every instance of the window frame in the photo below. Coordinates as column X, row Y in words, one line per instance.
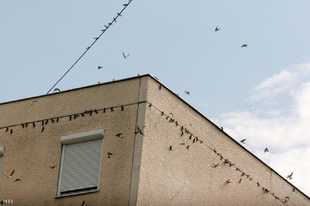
column 1, row 160
column 73, row 139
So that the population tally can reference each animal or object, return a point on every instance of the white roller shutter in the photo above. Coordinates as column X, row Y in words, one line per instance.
column 80, row 166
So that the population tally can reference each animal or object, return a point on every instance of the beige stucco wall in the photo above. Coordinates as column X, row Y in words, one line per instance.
column 30, row 152
column 185, row 176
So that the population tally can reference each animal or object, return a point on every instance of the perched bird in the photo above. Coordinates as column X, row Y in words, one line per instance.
column 56, row 90
column 109, row 154
column 244, row 45
column 119, row 135
column 125, row 4
column 187, row 147
column 83, row 203
column 187, row 92
column 266, row 150
column 88, row 48
column 243, row 141
column 99, row 67
column 217, row 29
column 214, row 166
column 17, row 180
column 10, row 176
column 52, row 167
column 96, row 38
column 33, row 102
column 125, row 56
column 170, row 148
column 228, row 181
column 119, row 14
column 290, row 176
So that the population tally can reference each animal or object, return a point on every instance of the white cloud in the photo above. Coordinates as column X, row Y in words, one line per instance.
column 285, row 132
column 285, row 82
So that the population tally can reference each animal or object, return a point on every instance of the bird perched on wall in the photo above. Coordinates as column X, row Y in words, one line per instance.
column 119, row 135
column 9, row 176
column 52, row 167
column 170, row 148
column 187, row 92
column 244, row 45
column 99, row 67
column 217, row 29
column 243, row 141
column 56, row 90
column 214, row 166
column 266, row 150
column 290, row 176
column 125, row 56
column 17, row 180
column 109, row 154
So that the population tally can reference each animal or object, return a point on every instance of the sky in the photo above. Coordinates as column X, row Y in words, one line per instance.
column 260, row 93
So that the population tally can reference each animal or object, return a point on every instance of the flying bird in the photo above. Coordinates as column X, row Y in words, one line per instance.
column 139, row 130
column 266, row 150
column 187, row 92
column 125, row 56
column 52, row 167
column 290, row 176
column 99, row 67
column 10, row 176
column 217, row 29
column 119, row 135
column 243, row 141
column 244, row 45
column 56, row 90
column 109, row 154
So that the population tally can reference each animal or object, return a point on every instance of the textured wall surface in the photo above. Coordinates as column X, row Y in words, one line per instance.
column 185, row 176
column 30, row 152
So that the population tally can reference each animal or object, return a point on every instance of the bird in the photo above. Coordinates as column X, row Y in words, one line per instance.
column 119, row 14
column 266, row 150
column 240, row 180
column 187, row 147
column 228, row 181
column 87, row 48
column 139, row 130
column 96, row 38
column 52, row 167
column 10, row 176
column 187, row 92
column 244, row 45
column 125, row 56
column 119, row 135
column 33, row 102
column 214, row 166
column 125, row 5
column 170, row 148
column 83, row 203
column 56, row 90
column 243, row 141
column 99, row 67
column 290, row 176
column 17, row 180
column 109, row 154
column 217, row 29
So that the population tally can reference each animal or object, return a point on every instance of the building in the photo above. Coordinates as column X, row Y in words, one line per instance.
column 127, row 142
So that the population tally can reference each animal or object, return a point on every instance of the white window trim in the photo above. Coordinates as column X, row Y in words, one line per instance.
column 77, row 138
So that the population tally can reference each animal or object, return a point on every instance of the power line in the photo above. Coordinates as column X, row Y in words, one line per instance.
column 96, row 39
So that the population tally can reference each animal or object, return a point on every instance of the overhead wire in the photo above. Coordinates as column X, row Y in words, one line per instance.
column 87, row 49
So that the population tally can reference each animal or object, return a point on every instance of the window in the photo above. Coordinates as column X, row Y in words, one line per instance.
column 1, row 159
column 80, row 163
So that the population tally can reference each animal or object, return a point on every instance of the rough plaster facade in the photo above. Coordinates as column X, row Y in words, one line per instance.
column 159, row 166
